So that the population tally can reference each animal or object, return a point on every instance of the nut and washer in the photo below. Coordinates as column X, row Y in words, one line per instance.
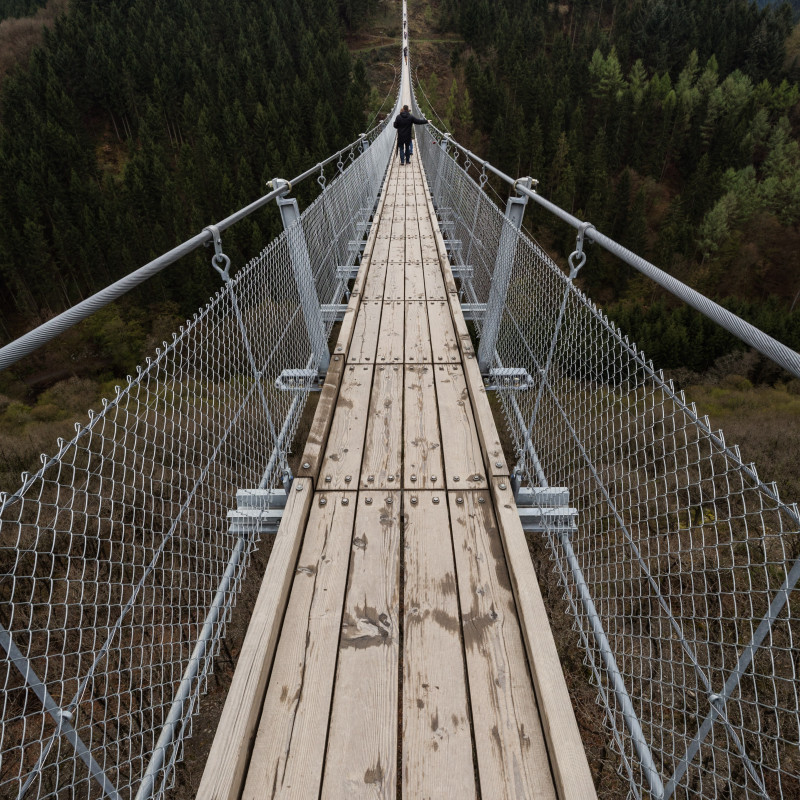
column 368, row 501
column 306, row 465
column 502, row 486
column 498, row 464
column 413, row 501
column 389, row 501
column 460, row 500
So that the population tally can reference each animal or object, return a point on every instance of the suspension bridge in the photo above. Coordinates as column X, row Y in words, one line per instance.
column 399, row 645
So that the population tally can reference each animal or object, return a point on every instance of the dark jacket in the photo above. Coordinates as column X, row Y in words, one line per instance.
column 403, row 122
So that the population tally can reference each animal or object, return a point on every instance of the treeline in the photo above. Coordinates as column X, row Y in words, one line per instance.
column 138, row 122
column 15, row 9
column 670, row 125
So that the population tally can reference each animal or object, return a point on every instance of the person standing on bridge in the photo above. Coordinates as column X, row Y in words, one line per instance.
column 404, row 121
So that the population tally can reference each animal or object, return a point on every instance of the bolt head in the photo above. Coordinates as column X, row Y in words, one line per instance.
column 306, row 465
column 327, row 479
column 456, row 478
column 498, row 464
column 460, row 500
column 345, row 501
column 323, row 501
column 413, row 501
column 348, row 478
column 368, row 501
column 481, row 500
column 502, row 486
column 436, row 501
column 389, row 501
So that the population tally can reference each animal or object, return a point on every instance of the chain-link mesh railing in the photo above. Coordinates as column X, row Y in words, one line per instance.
column 682, row 565
column 118, row 569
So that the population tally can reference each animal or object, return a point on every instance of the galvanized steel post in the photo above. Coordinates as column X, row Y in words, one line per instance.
column 303, row 275
column 515, row 209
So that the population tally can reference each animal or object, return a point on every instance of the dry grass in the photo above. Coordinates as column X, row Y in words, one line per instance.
column 18, row 37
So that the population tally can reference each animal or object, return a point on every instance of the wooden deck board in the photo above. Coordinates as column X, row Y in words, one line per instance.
column 443, row 337
column 512, row 755
column 422, row 462
column 418, row 338
column 287, row 757
column 392, row 334
column 361, row 761
column 341, row 464
column 381, row 468
column 437, row 742
column 463, row 458
column 365, row 333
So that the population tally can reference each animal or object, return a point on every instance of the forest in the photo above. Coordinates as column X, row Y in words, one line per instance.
column 672, row 126
column 138, row 122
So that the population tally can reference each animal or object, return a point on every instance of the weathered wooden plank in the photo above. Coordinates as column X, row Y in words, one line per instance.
column 323, row 417
column 510, row 746
column 437, row 744
column 361, row 760
column 484, row 421
column 567, row 754
column 418, row 339
column 289, row 748
column 224, row 774
column 434, row 283
column 342, row 461
column 380, row 468
column 443, row 338
column 415, row 280
column 394, row 288
column 422, row 462
column 365, row 334
column 392, row 333
column 463, row 459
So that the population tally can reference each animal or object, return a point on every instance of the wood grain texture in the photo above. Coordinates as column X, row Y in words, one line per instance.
column 365, row 334
column 418, row 338
column 443, row 338
column 415, row 280
column 224, row 774
column 391, row 338
column 510, row 746
column 323, row 417
column 437, row 743
column 422, row 462
column 289, row 749
column 567, row 755
column 381, row 467
column 342, row 462
column 463, row 458
column 361, row 761
column 484, row 421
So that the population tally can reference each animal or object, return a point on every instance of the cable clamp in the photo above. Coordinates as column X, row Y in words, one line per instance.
column 578, row 257
column 219, row 260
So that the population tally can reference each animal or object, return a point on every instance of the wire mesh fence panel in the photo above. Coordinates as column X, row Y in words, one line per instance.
column 682, row 565
column 118, row 568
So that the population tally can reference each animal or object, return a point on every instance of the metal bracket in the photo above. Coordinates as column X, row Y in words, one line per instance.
column 298, row 380
column 257, row 511
column 545, row 509
column 508, row 378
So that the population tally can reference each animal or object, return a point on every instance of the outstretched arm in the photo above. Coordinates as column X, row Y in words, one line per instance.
column 419, row 121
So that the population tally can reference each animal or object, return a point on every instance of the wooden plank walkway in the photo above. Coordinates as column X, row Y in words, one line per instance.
column 410, row 657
